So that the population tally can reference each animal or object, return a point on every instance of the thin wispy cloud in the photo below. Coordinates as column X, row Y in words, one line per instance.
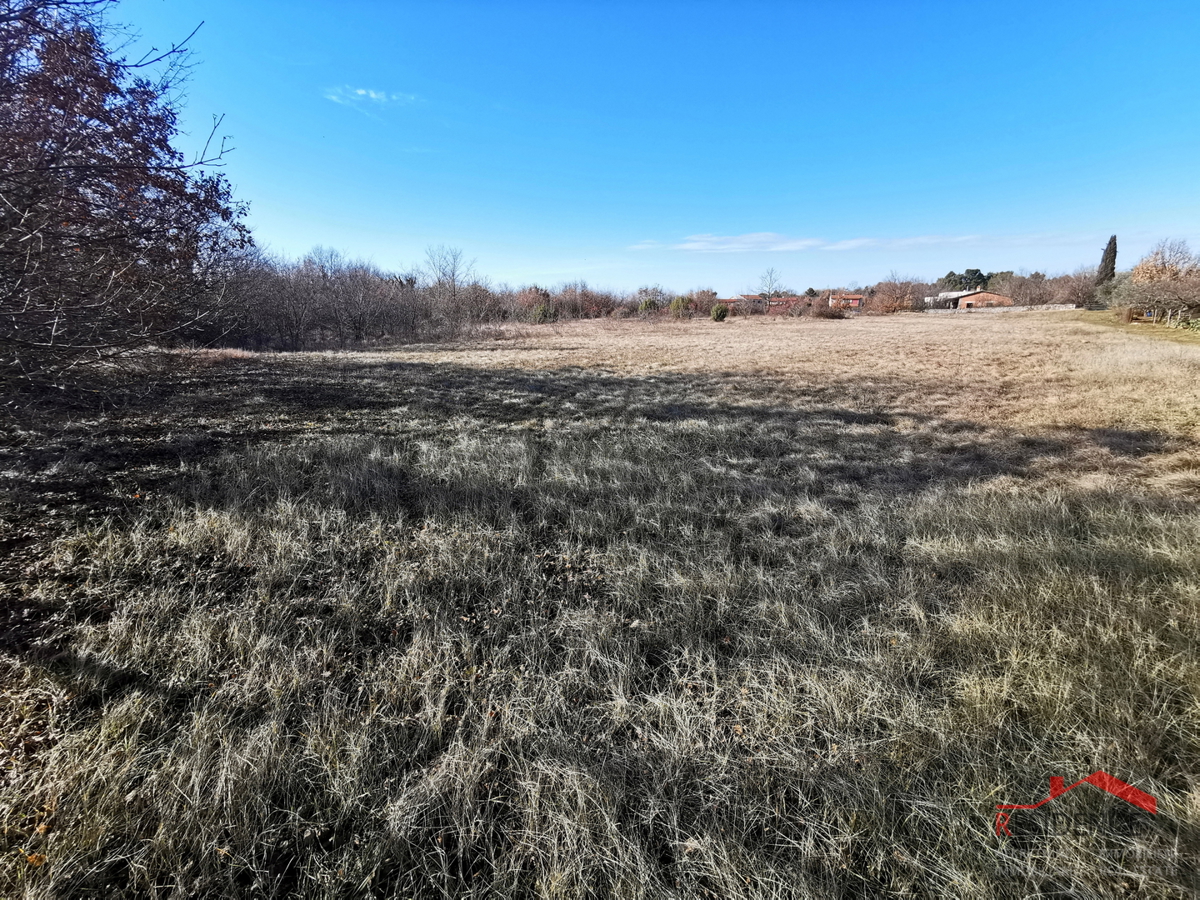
column 745, row 243
column 771, row 242
column 363, row 97
column 852, row 244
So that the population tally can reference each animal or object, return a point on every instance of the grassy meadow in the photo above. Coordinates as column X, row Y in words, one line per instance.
column 762, row 609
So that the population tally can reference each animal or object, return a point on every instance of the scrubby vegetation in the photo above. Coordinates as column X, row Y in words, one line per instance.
column 534, row 621
column 1164, row 285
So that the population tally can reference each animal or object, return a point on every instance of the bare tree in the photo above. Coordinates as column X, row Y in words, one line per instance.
column 447, row 275
column 703, row 300
column 1170, row 259
column 448, row 271
column 1165, row 282
column 1078, row 288
column 1024, row 289
column 108, row 238
column 365, row 301
column 770, row 285
column 297, row 305
column 894, row 294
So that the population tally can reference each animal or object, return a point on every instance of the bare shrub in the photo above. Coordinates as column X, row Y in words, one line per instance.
column 894, row 294
column 702, row 301
column 824, row 311
column 577, row 300
column 1165, row 283
column 1167, row 261
column 1032, row 289
column 536, row 304
column 650, row 299
column 1078, row 288
column 326, row 300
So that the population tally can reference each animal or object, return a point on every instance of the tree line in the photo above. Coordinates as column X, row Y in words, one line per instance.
column 326, row 300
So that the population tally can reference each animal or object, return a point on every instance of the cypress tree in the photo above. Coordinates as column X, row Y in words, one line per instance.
column 1108, row 263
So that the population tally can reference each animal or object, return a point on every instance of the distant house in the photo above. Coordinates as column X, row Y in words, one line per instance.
column 967, row 300
column 745, row 302
column 946, row 299
column 755, row 303
column 846, row 301
column 784, row 304
column 983, row 300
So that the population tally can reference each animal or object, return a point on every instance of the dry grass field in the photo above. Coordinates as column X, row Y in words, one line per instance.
column 763, row 609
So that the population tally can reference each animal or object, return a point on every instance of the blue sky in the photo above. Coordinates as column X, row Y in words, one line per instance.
column 698, row 143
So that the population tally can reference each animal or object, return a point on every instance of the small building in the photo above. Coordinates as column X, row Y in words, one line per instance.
column 754, row 303
column 784, row 304
column 840, row 300
column 977, row 299
column 744, row 303
column 983, row 300
column 946, row 300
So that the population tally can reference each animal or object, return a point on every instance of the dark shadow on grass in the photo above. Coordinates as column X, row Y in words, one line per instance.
column 100, row 462
column 762, row 439
column 762, row 443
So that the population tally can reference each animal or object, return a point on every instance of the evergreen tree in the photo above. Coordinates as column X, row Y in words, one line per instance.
column 1108, row 263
